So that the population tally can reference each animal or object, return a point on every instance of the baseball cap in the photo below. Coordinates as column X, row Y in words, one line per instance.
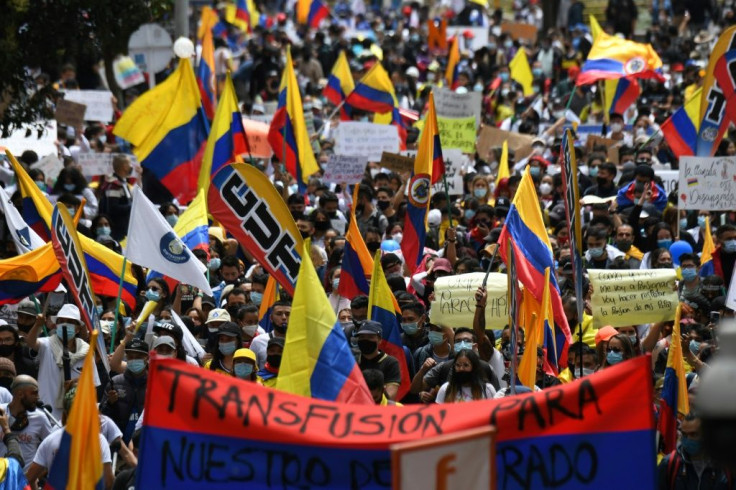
column 218, row 315
column 275, row 341
column 27, row 307
column 604, row 334
column 165, row 340
column 245, row 354
column 170, row 329
column 137, row 345
column 230, row 329
column 370, row 327
column 69, row 312
column 442, row 265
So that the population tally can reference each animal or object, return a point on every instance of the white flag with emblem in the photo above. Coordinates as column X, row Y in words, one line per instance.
column 152, row 243
column 23, row 235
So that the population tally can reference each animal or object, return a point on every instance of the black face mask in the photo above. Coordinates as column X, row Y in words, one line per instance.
column 274, row 360
column 463, row 377
column 305, row 234
column 280, row 329
column 601, row 181
column 367, row 346
column 6, row 350
column 384, row 205
column 233, row 310
column 322, row 225
column 25, row 328
column 6, row 382
column 373, row 246
column 332, row 215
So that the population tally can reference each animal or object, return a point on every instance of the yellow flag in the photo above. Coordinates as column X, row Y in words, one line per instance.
column 595, row 28
column 534, row 330
column 503, row 165
column 521, row 72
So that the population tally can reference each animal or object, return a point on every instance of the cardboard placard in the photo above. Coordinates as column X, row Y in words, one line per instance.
column 344, row 169
column 454, row 303
column 454, row 160
column 257, row 134
column 491, row 136
column 98, row 102
column 454, row 105
column 611, row 145
column 707, row 183
column 366, row 139
column 518, row 30
column 397, row 163
column 457, row 133
column 70, row 113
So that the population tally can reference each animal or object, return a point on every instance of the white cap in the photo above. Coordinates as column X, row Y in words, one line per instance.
column 412, row 71
column 434, row 218
column 70, row 312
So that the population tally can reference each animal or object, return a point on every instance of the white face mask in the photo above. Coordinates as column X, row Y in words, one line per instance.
column 545, row 188
column 250, row 330
column 616, row 127
column 397, row 237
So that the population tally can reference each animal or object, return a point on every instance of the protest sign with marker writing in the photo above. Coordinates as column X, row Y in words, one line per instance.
column 366, row 139
column 454, row 303
column 344, row 168
column 707, row 183
column 457, row 133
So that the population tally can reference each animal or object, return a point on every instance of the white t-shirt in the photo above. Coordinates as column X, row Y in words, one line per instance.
column 109, row 430
column 38, row 428
column 49, row 447
column 50, row 375
column 465, row 393
column 5, row 396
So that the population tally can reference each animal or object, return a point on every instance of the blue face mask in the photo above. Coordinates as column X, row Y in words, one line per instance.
column 694, row 346
column 69, row 187
column 664, row 243
column 689, row 274
column 504, row 76
column 103, row 231
column 729, row 246
column 614, row 358
column 683, row 223
column 535, row 171
column 227, row 348
column 701, row 221
column 462, row 345
column 469, row 213
column 256, row 298
column 593, row 172
column 136, row 366
column 435, row 338
column 480, row 192
column 172, row 219
column 70, row 331
column 41, row 185
column 152, row 295
column 596, row 252
column 214, row 264
column 691, row 446
column 335, row 284
column 243, row 370
column 537, row 72
column 410, row 328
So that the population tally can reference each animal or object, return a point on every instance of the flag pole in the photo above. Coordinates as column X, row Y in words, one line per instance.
column 512, row 317
column 447, row 191
column 334, row 112
column 117, row 305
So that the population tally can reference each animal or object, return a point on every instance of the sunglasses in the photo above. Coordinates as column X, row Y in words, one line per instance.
column 614, row 349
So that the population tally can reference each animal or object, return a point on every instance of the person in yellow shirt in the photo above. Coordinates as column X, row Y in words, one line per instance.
column 270, row 371
column 375, row 381
column 569, row 304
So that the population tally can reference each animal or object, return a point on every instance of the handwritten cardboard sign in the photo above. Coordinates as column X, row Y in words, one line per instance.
column 632, row 297
column 100, row 163
column 454, row 160
column 397, row 163
column 707, row 183
column 257, row 134
column 457, row 133
column 366, row 139
column 344, row 168
column 454, row 105
column 454, row 303
column 98, row 103
column 70, row 113
column 519, row 30
column 491, row 136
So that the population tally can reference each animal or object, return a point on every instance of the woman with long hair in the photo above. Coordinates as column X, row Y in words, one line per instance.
column 467, row 381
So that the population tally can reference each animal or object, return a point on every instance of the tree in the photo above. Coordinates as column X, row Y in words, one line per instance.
column 45, row 34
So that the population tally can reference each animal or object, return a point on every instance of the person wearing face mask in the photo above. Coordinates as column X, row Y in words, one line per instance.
column 724, row 257
column 372, row 239
column 414, row 335
column 26, row 318
column 688, row 466
column 157, row 290
column 619, row 349
column 599, row 255
column 385, row 204
column 631, row 332
column 617, row 130
column 50, row 351
column 247, row 319
column 371, row 357
column 170, row 212
column 269, row 373
column 14, row 349
column 175, row 333
column 625, row 243
column 439, row 347
column 116, row 198
column 71, row 180
column 690, row 285
column 589, row 360
column 466, row 381
column 280, row 313
column 367, row 214
column 126, row 393
column 604, row 176
column 244, row 364
column 229, row 339
column 31, row 426
column 337, row 302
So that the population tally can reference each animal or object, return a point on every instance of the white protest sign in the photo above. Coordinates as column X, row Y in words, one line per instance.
column 366, row 139
column 98, row 102
column 99, row 163
column 344, row 168
column 707, row 183
column 50, row 165
column 479, row 40
column 632, row 297
column 27, row 138
column 453, row 105
column 670, row 179
column 454, row 163
column 454, row 303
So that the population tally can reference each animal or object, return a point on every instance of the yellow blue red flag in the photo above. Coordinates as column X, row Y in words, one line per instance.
column 612, row 57
column 311, row 12
column 453, row 60
column 27, row 274
column 357, row 263
column 206, row 73
column 374, row 92
column 707, row 267
column 674, row 391
column 620, row 94
column 339, row 84
column 681, row 129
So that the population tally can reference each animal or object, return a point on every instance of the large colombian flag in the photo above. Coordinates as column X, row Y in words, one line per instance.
column 339, row 84
column 104, row 265
column 227, row 141
column 27, row 274
column 206, row 74
column 620, row 94
column 674, row 390
column 428, row 168
column 311, row 12
column 374, row 92
column 525, row 228
column 288, row 134
column 317, row 360
column 681, row 128
column 612, row 57
column 168, row 129
column 78, row 462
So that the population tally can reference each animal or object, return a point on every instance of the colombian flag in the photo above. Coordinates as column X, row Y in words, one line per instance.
column 525, row 228
column 168, row 128
column 428, row 168
column 536, row 322
column 103, row 264
column 311, row 12
column 208, row 18
column 270, row 297
column 357, row 263
column 78, row 462
column 27, row 274
column 206, row 75
column 288, row 135
column 317, row 360
column 383, row 308
column 620, row 94
column 243, row 15
column 674, row 390
column 453, row 60
column 707, row 267
column 227, row 140
column 612, row 57
column 374, row 92
column 339, row 84
column 681, row 128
